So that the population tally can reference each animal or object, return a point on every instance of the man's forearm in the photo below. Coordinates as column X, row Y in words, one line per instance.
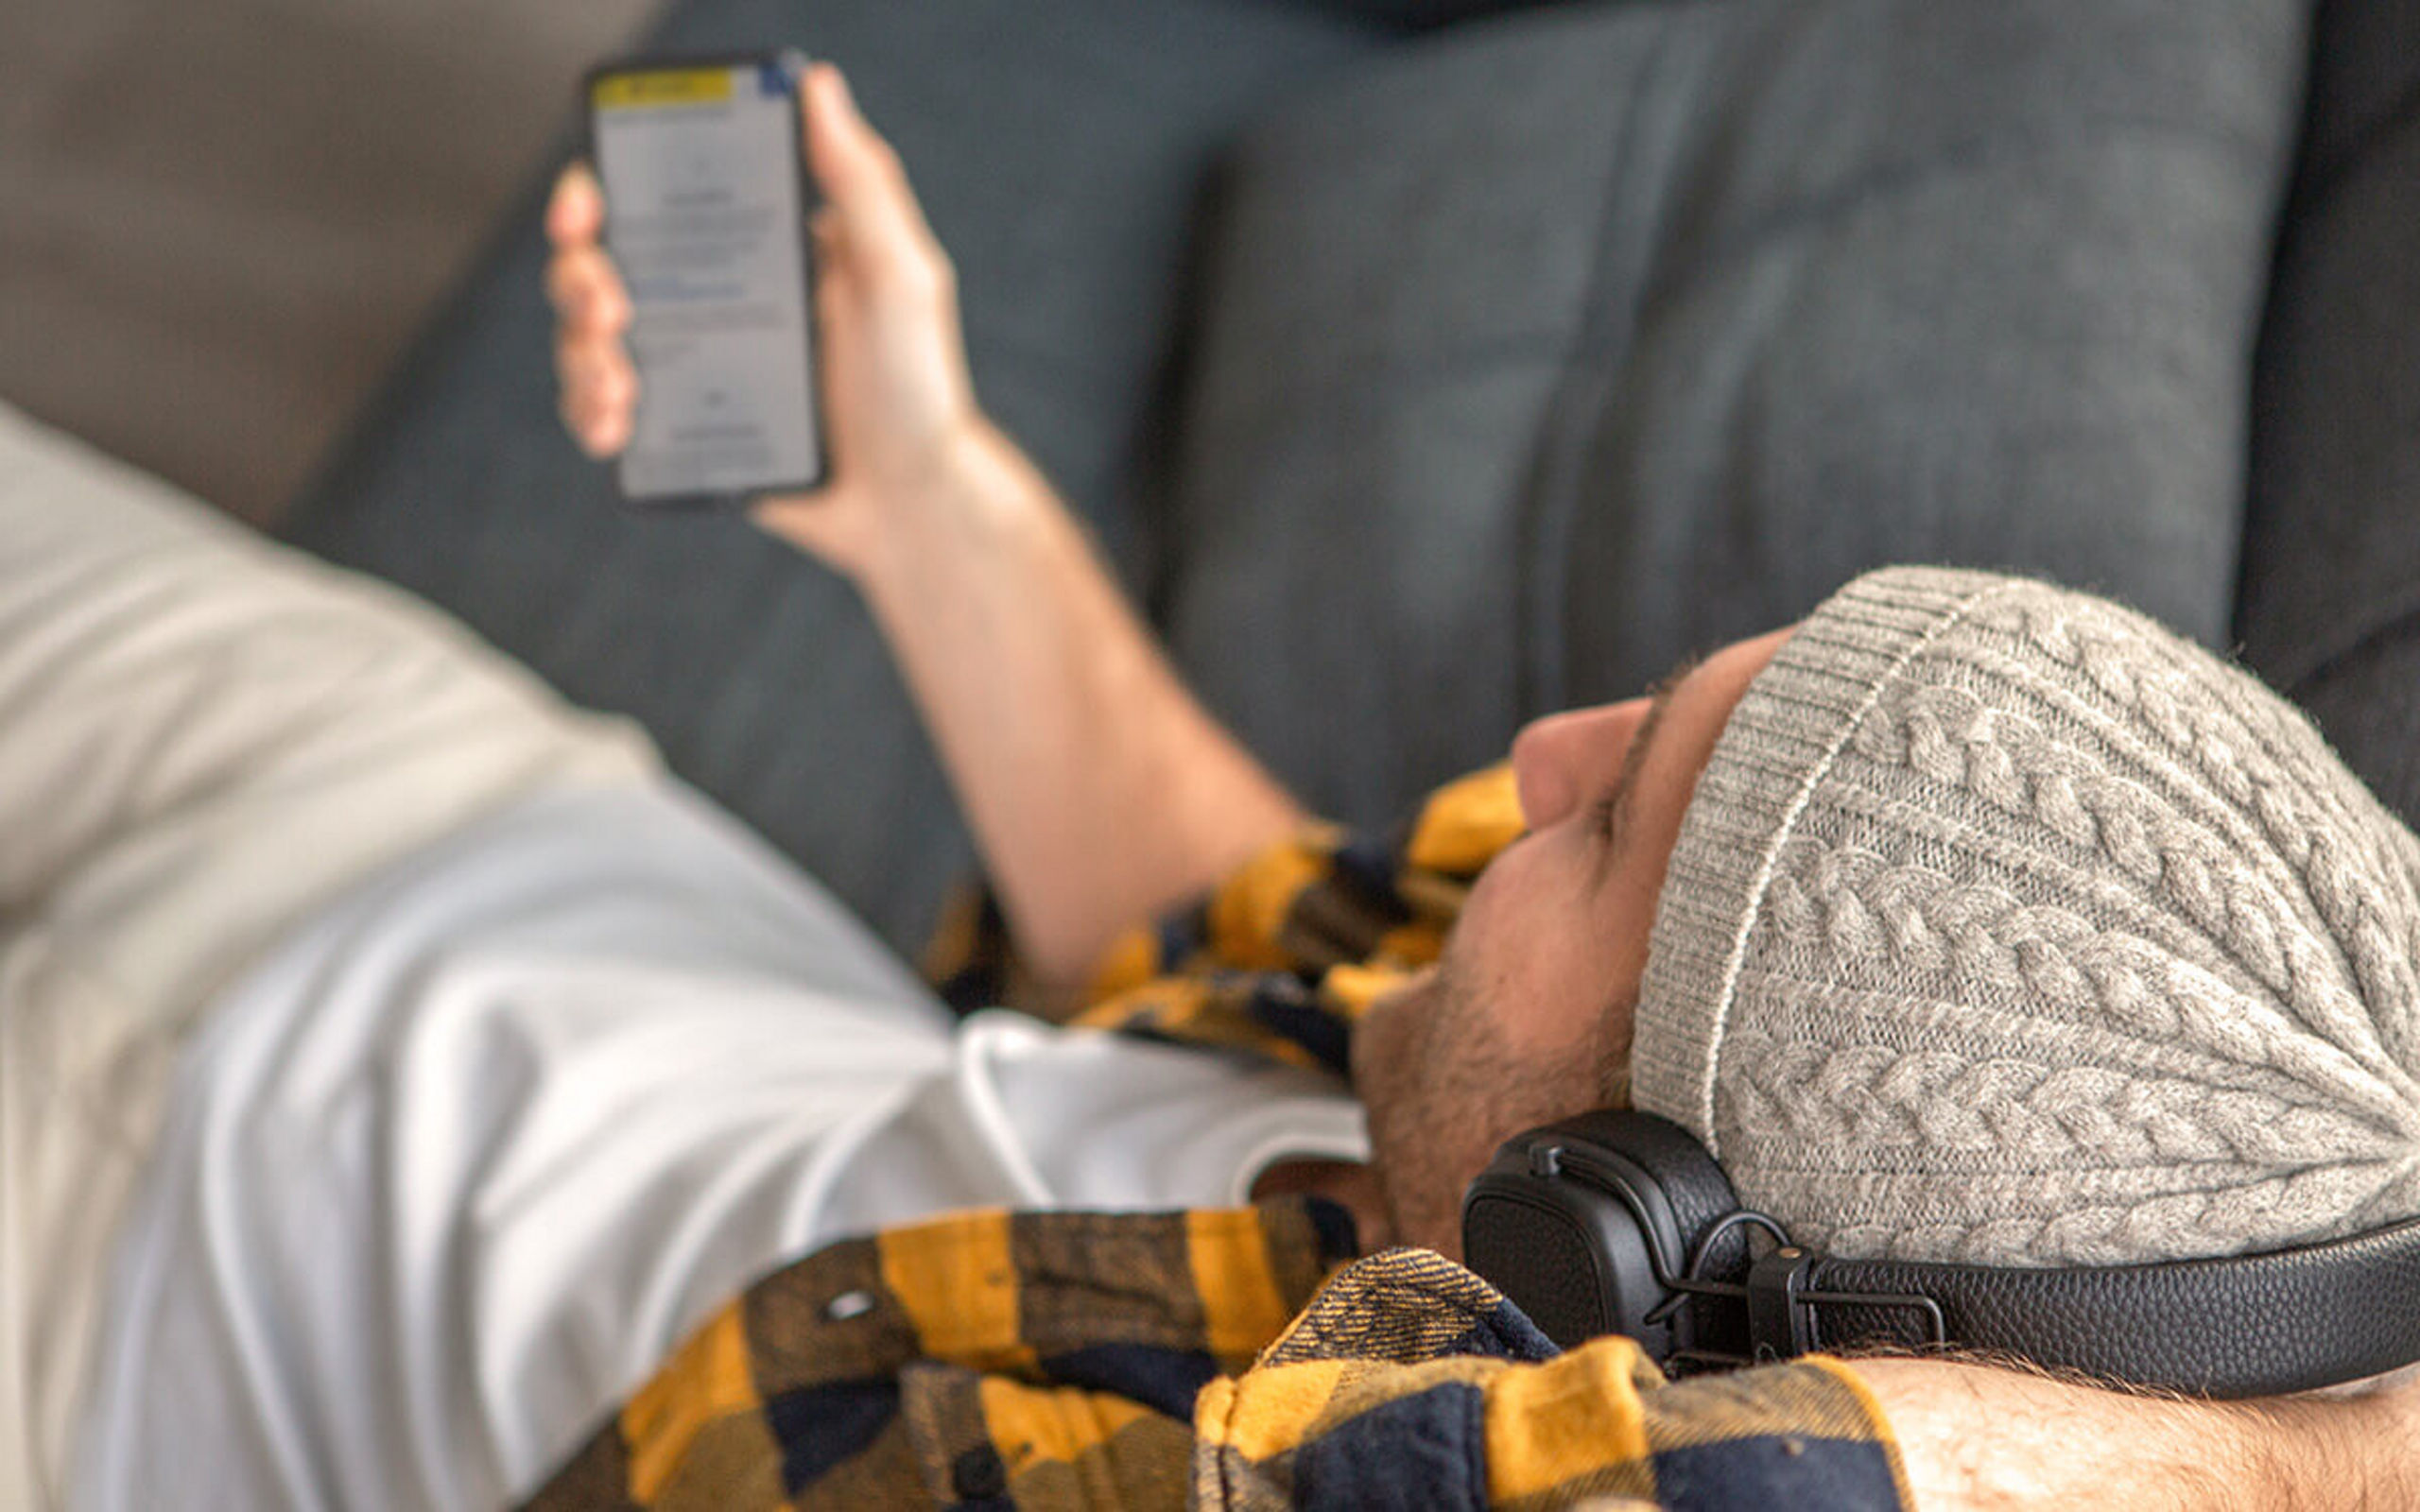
column 1099, row 789
column 1979, row 1438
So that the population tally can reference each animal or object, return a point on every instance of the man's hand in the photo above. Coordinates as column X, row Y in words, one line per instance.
column 1099, row 791
column 899, row 406
column 1978, row 1439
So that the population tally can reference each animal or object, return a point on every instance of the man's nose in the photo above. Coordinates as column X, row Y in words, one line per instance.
column 1558, row 759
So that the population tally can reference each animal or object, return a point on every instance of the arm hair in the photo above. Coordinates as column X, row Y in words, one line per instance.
column 1977, row 1437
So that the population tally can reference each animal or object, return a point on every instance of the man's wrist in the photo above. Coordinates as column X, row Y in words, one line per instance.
column 976, row 496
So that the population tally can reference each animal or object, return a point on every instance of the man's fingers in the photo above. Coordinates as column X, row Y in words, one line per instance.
column 833, row 268
column 600, row 393
column 861, row 176
column 587, row 292
column 825, row 225
column 586, row 428
column 844, row 151
column 597, row 368
column 576, row 214
column 602, row 429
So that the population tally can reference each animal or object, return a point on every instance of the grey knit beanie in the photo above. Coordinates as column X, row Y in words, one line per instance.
column 2007, row 927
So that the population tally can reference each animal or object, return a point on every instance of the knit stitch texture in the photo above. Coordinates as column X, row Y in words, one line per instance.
column 2007, row 927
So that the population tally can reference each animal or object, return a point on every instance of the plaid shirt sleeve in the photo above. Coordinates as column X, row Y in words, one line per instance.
column 1281, row 959
column 1055, row 1360
column 991, row 1358
column 1233, row 1360
column 1409, row 1381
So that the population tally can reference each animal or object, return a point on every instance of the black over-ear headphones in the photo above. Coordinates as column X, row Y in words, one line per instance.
column 1620, row 1222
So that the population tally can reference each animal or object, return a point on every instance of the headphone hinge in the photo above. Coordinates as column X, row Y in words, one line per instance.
column 1781, row 1322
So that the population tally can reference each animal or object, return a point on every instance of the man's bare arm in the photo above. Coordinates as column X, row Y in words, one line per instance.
column 1101, row 791
column 1097, row 788
column 1980, row 1439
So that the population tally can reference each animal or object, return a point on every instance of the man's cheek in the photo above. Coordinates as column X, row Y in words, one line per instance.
column 1521, row 951
column 1382, row 1041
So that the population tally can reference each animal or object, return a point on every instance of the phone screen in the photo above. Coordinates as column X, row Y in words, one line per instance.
column 702, row 172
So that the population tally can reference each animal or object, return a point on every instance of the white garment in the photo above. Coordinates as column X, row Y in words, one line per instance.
column 452, row 1171
column 203, row 738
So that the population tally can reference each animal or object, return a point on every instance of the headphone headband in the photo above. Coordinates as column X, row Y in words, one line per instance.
column 2245, row 1326
column 1601, row 1223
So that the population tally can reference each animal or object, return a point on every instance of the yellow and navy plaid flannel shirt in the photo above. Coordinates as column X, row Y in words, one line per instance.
column 1240, row 1358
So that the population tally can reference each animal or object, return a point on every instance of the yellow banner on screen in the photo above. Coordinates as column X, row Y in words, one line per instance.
column 670, row 86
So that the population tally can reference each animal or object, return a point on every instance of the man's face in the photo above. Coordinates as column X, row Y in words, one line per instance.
column 1527, row 1017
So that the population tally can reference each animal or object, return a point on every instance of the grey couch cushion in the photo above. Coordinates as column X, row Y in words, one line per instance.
column 1424, row 14
column 1059, row 150
column 1565, row 342
column 1400, row 266
column 2330, row 608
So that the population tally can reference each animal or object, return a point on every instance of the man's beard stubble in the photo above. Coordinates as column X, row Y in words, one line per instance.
column 1452, row 1089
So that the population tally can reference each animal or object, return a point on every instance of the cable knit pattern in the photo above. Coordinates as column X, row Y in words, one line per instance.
column 2007, row 928
column 1930, row 935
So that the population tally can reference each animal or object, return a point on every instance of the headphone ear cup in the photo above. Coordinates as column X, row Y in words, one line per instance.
column 1571, row 1255
column 1670, row 1156
column 1700, row 1195
column 1582, row 1223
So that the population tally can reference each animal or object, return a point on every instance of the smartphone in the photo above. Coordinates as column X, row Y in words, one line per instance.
column 706, row 202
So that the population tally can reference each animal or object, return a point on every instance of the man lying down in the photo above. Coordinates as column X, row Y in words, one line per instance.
column 411, row 1097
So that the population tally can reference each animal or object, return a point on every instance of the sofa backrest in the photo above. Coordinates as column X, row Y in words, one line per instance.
column 1546, row 348
column 1424, row 15
column 2330, row 602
